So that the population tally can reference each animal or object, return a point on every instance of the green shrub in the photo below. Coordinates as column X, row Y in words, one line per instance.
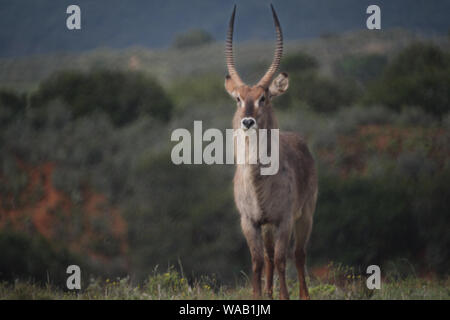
column 195, row 222
column 13, row 181
column 363, row 68
column 203, row 90
column 308, row 89
column 322, row 94
column 34, row 258
column 415, row 116
column 349, row 119
column 12, row 105
column 418, row 76
column 380, row 218
column 124, row 96
column 296, row 64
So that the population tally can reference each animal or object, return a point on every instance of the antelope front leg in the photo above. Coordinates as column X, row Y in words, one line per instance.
column 252, row 233
column 268, row 261
column 268, row 266
column 281, row 246
column 300, row 257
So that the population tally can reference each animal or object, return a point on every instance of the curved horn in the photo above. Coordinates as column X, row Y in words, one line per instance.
column 264, row 82
column 229, row 52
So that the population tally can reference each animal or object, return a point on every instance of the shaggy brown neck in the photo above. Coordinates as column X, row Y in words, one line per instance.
column 270, row 122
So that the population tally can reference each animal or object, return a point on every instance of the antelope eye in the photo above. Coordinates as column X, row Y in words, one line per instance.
column 262, row 99
column 238, row 99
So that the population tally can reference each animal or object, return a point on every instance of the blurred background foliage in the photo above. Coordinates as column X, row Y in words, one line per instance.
column 122, row 96
column 192, row 38
column 86, row 176
column 418, row 76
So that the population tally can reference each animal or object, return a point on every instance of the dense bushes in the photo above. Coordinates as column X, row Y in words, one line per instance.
column 124, row 96
column 383, row 196
column 131, row 166
column 364, row 68
column 12, row 104
column 299, row 63
column 308, row 88
column 418, row 76
column 205, row 89
column 325, row 95
column 383, row 218
column 35, row 259
column 187, row 217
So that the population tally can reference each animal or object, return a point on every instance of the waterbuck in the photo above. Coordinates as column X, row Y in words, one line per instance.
column 273, row 208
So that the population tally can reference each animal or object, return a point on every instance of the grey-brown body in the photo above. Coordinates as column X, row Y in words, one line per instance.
column 266, row 198
column 276, row 208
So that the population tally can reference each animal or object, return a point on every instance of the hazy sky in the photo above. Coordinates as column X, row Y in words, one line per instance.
column 39, row 26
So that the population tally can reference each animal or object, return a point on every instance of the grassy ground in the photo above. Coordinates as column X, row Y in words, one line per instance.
column 338, row 284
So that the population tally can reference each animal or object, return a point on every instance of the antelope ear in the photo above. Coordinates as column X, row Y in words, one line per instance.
column 279, row 85
column 230, row 86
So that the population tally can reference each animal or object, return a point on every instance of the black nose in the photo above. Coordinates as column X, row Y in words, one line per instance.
column 248, row 122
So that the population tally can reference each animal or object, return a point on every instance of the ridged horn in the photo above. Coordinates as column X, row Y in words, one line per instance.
column 229, row 51
column 265, row 80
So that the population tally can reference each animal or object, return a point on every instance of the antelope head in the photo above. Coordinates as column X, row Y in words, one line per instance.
column 254, row 109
